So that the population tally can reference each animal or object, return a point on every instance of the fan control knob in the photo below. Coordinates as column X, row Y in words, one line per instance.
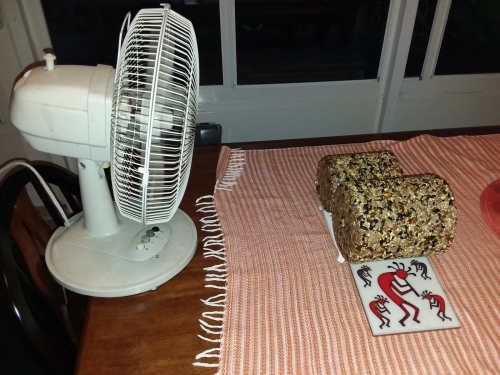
column 139, row 246
column 145, row 239
column 150, row 233
column 155, row 229
column 49, row 61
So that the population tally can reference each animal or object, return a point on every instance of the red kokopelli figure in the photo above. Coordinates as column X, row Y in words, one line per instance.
column 378, row 308
column 394, row 289
column 436, row 301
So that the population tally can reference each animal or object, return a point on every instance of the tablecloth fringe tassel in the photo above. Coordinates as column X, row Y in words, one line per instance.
column 216, row 275
column 208, row 354
column 233, row 170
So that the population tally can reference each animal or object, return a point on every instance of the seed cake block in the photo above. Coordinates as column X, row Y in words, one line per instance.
column 335, row 169
column 394, row 218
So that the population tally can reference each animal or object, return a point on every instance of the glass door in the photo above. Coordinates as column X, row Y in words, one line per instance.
column 278, row 69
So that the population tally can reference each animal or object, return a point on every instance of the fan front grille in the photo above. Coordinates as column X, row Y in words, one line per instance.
column 154, row 115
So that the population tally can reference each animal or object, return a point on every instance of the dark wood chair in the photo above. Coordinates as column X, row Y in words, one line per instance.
column 50, row 316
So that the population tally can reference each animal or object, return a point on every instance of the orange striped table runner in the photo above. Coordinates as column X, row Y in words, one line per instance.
column 286, row 306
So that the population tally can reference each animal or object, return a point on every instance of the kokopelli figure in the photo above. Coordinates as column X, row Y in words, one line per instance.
column 420, row 267
column 395, row 289
column 364, row 273
column 378, row 308
column 436, row 301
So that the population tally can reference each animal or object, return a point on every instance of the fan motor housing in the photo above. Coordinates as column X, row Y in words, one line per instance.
column 66, row 111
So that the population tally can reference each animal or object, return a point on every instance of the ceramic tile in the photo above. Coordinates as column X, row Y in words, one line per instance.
column 402, row 296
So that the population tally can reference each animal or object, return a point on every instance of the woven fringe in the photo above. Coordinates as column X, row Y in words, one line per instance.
column 233, row 170
column 216, row 278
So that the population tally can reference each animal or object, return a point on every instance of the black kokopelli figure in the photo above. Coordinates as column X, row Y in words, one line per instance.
column 420, row 267
column 364, row 273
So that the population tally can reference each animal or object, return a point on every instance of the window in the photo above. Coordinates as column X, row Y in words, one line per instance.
column 420, row 38
column 287, row 41
column 277, row 69
column 471, row 42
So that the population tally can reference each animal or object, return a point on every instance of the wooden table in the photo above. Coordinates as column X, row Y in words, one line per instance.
column 156, row 332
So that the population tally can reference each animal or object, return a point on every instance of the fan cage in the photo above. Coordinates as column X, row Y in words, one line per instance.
column 154, row 115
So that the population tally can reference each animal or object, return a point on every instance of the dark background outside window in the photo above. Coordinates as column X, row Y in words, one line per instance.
column 286, row 41
column 85, row 32
column 282, row 41
column 471, row 41
column 420, row 37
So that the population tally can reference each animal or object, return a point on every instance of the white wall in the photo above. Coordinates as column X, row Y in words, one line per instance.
column 20, row 47
column 287, row 111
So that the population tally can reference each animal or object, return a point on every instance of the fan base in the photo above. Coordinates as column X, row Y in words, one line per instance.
column 112, row 266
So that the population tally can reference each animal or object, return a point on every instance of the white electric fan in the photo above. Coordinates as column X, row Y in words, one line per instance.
column 141, row 120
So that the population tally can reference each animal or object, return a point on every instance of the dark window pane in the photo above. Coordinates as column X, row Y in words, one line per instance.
column 471, row 42
column 284, row 41
column 86, row 32
column 420, row 37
